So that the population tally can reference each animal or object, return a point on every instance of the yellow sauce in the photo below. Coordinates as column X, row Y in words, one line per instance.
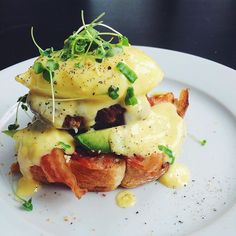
column 93, row 79
column 163, row 126
column 177, row 176
column 36, row 141
column 26, row 187
column 125, row 199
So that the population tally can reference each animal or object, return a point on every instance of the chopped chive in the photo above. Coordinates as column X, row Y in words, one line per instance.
column 130, row 98
column 64, row 145
column 113, row 92
column 127, row 72
column 167, row 152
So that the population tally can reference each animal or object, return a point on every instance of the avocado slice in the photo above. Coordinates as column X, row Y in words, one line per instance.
column 97, row 140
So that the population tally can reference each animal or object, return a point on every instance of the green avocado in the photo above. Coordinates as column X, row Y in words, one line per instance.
column 97, row 140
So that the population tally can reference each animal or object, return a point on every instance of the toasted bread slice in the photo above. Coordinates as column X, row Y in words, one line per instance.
column 106, row 172
column 101, row 173
column 141, row 170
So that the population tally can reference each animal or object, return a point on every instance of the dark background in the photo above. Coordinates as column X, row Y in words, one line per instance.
column 206, row 28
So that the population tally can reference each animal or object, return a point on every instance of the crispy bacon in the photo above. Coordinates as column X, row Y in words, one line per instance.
column 110, row 117
column 56, row 170
column 15, row 168
column 71, row 122
column 166, row 97
column 181, row 103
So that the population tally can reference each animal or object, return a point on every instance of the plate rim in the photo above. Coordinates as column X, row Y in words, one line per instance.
column 231, row 213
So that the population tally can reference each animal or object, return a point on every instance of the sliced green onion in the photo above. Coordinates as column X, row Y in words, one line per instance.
column 113, row 92
column 130, row 98
column 127, row 72
column 64, row 146
column 167, row 152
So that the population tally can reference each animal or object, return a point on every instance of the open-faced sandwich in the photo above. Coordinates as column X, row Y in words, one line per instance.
column 95, row 127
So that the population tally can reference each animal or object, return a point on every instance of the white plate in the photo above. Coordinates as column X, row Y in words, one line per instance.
column 205, row 207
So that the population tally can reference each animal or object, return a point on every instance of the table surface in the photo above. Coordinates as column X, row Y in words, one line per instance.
column 206, row 28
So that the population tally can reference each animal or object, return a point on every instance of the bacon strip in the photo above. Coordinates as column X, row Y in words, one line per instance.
column 166, row 97
column 56, row 169
column 15, row 168
column 181, row 103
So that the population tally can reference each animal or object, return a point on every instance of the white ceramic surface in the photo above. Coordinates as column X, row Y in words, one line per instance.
column 205, row 207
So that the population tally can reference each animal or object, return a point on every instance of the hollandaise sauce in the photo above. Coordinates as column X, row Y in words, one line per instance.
column 177, row 176
column 26, row 187
column 125, row 199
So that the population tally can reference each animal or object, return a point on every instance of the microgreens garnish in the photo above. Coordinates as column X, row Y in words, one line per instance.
column 167, row 152
column 48, row 74
column 64, row 146
column 26, row 204
column 127, row 72
column 10, row 133
column 87, row 40
column 130, row 98
column 13, row 127
column 113, row 92
column 203, row 142
column 47, row 52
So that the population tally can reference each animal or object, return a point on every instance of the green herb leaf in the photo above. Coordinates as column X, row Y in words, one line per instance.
column 87, row 40
column 38, row 67
column 127, row 72
column 9, row 133
column 27, row 205
column 13, row 127
column 46, row 75
column 64, row 146
column 203, row 142
column 47, row 52
column 130, row 98
column 167, row 152
column 52, row 65
column 24, row 107
column 123, row 41
column 113, row 92
column 22, row 99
